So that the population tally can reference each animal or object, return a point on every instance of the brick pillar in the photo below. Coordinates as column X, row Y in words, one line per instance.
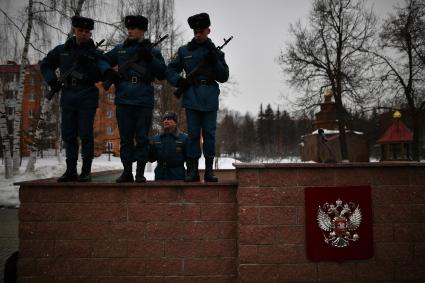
column 272, row 222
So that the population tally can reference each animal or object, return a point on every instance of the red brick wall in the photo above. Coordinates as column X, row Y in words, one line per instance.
column 272, row 223
column 176, row 232
column 154, row 232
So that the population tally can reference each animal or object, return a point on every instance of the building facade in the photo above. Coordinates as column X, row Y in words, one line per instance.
column 105, row 127
column 34, row 90
column 106, row 134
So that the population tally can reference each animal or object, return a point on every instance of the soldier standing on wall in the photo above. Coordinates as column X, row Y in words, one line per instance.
column 201, row 91
column 134, row 98
column 80, row 97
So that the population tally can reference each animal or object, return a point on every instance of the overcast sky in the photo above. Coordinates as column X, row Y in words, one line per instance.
column 260, row 30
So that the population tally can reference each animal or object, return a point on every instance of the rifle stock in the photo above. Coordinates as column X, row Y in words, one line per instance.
column 71, row 71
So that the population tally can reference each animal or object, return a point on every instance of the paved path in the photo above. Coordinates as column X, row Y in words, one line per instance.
column 8, row 235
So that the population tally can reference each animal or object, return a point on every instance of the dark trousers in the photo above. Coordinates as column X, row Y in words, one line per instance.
column 78, row 123
column 134, row 123
column 197, row 122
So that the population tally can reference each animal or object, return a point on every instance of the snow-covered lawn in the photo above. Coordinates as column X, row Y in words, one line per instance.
column 50, row 167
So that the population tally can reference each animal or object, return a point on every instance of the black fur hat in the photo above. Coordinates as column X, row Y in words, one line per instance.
column 82, row 22
column 136, row 22
column 171, row 116
column 199, row 21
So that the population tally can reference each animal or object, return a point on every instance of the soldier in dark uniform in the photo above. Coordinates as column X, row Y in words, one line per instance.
column 135, row 95
column 169, row 150
column 79, row 98
column 200, row 97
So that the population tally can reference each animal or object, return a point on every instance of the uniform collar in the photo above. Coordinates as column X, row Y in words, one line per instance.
column 193, row 45
column 71, row 42
column 175, row 134
column 144, row 42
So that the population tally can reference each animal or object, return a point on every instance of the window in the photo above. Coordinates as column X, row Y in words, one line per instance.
column 31, row 114
column 32, row 96
column 109, row 130
column 110, row 97
column 109, row 146
column 109, row 113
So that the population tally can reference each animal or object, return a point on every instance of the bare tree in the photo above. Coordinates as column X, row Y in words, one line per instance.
column 400, row 53
column 18, row 100
column 327, row 54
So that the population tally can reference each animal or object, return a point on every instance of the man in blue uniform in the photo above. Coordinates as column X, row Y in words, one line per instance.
column 79, row 98
column 135, row 95
column 169, row 150
column 200, row 97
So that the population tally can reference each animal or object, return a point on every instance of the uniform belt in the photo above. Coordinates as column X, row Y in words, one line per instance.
column 73, row 82
column 170, row 164
column 197, row 82
column 135, row 80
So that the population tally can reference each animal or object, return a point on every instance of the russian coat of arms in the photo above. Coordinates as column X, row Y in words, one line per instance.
column 339, row 222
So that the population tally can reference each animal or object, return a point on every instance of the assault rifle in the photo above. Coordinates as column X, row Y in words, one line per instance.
column 72, row 71
column 179, row 91
column 132, row 63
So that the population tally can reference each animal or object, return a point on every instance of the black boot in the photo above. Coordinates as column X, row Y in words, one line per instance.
column 209, row 175
column 127, row 174
column 70, row 174
column 140, row 171
column 85, row 171
column 192, row 171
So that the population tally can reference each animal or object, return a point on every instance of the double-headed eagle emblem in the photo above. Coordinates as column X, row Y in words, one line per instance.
column 338, row 221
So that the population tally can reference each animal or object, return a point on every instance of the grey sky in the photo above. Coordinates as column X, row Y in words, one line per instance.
column 260, row 30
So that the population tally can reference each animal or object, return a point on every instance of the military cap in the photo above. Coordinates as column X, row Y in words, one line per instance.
column 136, row 22
column 170, row 115
column 199, row 21
column 82, row 22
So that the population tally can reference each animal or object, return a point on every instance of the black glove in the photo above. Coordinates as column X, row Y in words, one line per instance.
column 55, row 85
column 112, row 76
column 146, row 54
column 183, row 83
column 88, row 59
column 211, row 57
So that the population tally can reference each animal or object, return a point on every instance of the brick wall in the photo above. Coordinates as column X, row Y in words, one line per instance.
column 148, row 233
column 272, row 223
column 224, row 232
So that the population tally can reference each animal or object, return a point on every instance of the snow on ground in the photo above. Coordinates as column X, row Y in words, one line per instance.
column 51, row 167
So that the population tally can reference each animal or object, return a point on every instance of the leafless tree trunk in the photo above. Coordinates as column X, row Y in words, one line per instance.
column 37, row 135
column 4, row 134
column 21, row 84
